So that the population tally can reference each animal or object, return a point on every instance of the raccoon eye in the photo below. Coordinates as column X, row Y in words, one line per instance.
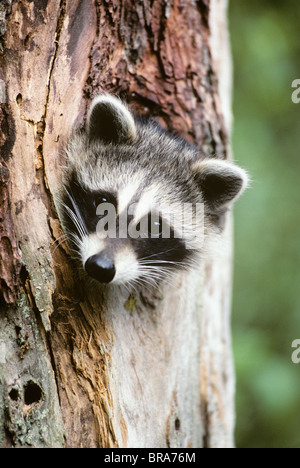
column 99, row 199
column 155, row 226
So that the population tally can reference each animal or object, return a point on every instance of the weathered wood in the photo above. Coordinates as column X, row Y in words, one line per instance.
column 122, row 371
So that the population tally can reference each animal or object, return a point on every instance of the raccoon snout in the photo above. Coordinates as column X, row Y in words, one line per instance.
column 100, row 269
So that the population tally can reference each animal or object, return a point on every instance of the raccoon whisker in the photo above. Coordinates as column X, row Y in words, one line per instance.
column 165, row 279
column 76, row 252
column 133, row 284
column 147, row 283
column 81, row 229
column 126, row 287
column 159, row 274
column 156, row 254
column 130, row 285
column 58, row 239
column 152, row 275
column 77, row 223
column 158, row 262
column 78, row 214
column 59, row 244
column 76, row 256
column 160, row 253
column 76, row 240
column 148, row 277
column 153, row 268
column 165, row 265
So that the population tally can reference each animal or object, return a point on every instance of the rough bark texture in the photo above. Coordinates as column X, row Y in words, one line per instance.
column 134, row 371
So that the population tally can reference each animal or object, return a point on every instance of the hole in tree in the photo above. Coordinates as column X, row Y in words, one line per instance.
column 23, row 274
column 19, row 99
column 14, row 394
column 177, row 424
column 33, row 393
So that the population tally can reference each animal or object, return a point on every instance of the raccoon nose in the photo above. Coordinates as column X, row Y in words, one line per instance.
column 100, row 269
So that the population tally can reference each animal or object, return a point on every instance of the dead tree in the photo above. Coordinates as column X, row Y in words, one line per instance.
column 140, row 371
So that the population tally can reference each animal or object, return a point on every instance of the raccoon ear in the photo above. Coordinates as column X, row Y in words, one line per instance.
column 110, row 121
column 220, row 182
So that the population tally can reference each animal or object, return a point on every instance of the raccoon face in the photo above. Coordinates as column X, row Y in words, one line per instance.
column 138, row 203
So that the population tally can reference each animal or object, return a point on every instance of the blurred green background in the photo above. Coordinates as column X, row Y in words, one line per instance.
column 265, row 38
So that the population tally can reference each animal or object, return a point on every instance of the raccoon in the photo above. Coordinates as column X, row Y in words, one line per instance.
column 131, row 193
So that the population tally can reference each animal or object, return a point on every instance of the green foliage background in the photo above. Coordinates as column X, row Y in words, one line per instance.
column 265, row 38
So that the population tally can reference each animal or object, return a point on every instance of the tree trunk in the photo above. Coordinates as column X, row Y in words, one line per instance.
column 130, row 371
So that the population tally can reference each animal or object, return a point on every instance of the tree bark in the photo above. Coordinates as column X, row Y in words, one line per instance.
column 134, row 371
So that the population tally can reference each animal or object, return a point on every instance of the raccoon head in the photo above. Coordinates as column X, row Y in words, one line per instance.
column 137, row 202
